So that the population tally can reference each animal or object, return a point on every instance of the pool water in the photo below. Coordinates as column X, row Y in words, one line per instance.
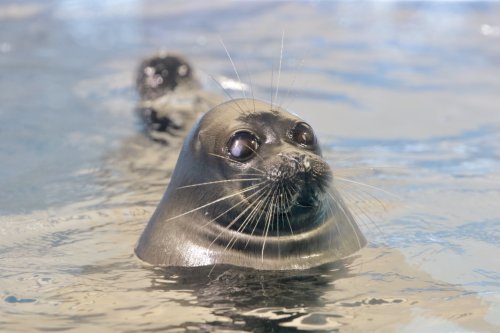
column 403, row 96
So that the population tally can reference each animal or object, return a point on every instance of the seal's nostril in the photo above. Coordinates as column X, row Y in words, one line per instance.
column 306, row 163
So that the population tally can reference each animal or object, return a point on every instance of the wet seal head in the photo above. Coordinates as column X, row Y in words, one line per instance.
column 163, row 73
column 250, row 189
column 171, row 98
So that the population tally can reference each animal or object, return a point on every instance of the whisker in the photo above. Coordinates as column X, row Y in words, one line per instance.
column 227, row 158
column 330, row 207
column 347, row 189
column 233, row 239
column 234, row 66
column 223, row 89
column 358, row 171
column 265, row 203
column 363, row 212
column 258, row 155
column 279, row 68
column 236, row 218
column 218, row 182
column 369, row 186
column 283, row 205
column 231, row 98
column 269, row 217
column 254, row 211
column 217, row 200
column 286, row 215
column 292, row 84
column 229, row 209
column 371, row 168
column 349, row 220
column 272, row 85
column 251, row 88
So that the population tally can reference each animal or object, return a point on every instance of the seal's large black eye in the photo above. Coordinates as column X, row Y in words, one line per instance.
column 242, row 145
column 303, row 134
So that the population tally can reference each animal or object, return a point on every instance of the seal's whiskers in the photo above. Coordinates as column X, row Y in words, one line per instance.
column 330, row 208
column 269, row 216
column 253, row 150
column 367, row 185
column 362, row 211
column 217, row 200
column 288, row 200
column 359, row 195
column 226, row 92
column 247, row 220
column 279, row 71
column 294, row 79
column 243, row 200
column 251, row 88
column 347, row 217
column 237, row 217
column 265, row 203
column 238, row 162
column 218, row 182
column 234, row 66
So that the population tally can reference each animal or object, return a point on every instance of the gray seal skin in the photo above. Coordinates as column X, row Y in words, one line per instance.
column 250, row 189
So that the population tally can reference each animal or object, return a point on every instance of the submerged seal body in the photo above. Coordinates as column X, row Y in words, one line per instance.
column 250, row 189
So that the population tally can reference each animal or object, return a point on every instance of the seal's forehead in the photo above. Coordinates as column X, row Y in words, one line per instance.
column 268, row 117
column 246, row 110
column 260, row 117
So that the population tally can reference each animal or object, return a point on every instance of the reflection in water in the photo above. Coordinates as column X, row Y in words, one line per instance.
column 247, row 289
column 259, row 301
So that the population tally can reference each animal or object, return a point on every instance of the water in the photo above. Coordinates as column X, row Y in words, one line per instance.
column 409, row 89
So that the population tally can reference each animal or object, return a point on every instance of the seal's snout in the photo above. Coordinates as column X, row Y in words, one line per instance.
column 285, row 167
column 301, row 163
column 304, row 175
column 297, row 167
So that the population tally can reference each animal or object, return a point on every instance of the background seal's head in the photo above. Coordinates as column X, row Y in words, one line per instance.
column 162, row 73
column 250, row 189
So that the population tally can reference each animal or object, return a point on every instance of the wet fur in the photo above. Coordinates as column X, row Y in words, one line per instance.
column 218, row 211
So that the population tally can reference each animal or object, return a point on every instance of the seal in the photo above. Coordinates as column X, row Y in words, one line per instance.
column 250, row 189
column 162, row 73
column 171, row 97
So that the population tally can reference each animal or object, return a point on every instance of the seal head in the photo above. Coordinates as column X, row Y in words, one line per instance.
column 250, row 189
column 163, row 73
column 171, row 98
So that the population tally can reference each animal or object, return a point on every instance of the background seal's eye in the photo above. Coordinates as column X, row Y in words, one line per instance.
column 242, row 145
column 303, row 135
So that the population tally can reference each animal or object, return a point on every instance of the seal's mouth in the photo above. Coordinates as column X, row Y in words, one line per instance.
column 289, row 197
column 294, row 183
column 292, row 200
column 308, row 199
column 305, row 203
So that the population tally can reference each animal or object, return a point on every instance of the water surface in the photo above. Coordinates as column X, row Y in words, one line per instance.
column 404, row 97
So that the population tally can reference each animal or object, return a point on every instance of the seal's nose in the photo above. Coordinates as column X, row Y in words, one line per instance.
column 300, row 162
column 306, row 163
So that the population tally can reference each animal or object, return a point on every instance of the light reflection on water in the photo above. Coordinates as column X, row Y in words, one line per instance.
column 410, row 89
